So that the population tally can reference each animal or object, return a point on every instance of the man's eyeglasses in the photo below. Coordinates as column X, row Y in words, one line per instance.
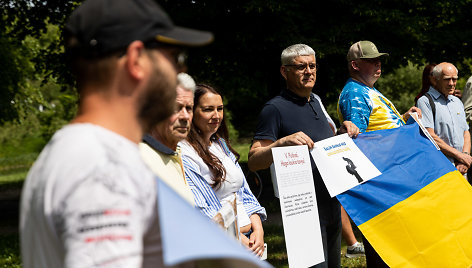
column 302, row 67
column 178, row 55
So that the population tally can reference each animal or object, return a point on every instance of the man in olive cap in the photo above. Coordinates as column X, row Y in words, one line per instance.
column 89, row 200
column 366, row 107
column 359, row 101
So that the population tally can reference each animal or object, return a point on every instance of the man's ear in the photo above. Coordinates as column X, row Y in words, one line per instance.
column 283, row 71
column 354, row 65
column 134, row 60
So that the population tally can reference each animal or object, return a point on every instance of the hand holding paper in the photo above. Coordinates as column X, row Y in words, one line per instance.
column 350, row 128
column 298, row 138
column 411, row 111
column 417, row 117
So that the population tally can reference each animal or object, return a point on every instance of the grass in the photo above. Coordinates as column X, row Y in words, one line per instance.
column 9, row 163
column 12, row 181
column 242, row 149
column 9, row 251
column 13, row 172
column 274, row 237
column 277, row 253
column 9, row 240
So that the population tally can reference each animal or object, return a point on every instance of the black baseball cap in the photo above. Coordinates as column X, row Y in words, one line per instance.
column 99, row 27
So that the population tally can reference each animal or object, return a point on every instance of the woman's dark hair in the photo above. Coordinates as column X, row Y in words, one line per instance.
column 426, row 83
column 196, row 140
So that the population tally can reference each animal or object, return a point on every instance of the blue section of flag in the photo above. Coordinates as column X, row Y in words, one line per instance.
column 187, row 235
column 408, row 162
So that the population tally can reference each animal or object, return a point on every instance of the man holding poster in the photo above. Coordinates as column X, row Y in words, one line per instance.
column 366, row 107
column 297, row 117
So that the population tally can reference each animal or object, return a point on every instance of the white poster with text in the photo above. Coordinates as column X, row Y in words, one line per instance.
column 298, row 204
column 342, row 164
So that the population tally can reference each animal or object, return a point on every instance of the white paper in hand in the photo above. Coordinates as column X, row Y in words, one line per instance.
column 342, row 164
column 294, row 179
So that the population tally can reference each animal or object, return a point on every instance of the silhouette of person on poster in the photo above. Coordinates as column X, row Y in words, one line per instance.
column 351, row 169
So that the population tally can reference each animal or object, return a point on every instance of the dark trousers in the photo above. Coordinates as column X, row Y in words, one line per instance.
column 469, row 175
column 330, row 224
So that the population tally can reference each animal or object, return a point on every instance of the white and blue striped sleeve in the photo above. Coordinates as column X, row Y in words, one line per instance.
column 250, row 203
column 204, row 196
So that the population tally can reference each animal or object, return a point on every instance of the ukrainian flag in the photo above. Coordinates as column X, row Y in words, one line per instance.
column 418, row 213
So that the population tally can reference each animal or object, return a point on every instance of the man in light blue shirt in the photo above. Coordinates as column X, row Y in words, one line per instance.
column 444, row 117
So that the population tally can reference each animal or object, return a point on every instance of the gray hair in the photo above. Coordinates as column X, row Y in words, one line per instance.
column 186, row 82
column 438, row 69
column 294, row 51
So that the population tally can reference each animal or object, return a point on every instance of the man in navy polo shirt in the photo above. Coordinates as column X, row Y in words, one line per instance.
column 296, row 117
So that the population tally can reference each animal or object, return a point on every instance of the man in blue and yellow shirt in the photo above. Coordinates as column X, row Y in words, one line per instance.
column 360, row 102
column 366, row 107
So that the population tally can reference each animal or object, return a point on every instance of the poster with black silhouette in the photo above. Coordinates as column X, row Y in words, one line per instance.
column 351, row 169
column 342, row 164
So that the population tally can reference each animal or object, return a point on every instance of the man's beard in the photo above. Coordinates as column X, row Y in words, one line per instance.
column 157, row 103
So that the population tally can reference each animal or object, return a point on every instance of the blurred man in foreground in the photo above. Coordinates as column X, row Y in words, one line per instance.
column 89, row 200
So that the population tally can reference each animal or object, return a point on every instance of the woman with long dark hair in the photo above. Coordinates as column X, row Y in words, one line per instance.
column 426, row 81
column 212, row 169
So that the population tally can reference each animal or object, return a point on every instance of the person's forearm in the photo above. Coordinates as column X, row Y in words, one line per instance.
column 259, row 158
column 260, row 154
column 257, row 236
column 244, row 239
column 466, row 147
column 445, row 148
column 256, row 223
column 245, row 229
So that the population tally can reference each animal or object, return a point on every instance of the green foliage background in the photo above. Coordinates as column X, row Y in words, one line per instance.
column 244, row 60
column 37, row 105
column 37, row 93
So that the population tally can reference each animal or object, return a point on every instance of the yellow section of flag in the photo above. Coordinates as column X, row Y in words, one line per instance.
column 431, row 228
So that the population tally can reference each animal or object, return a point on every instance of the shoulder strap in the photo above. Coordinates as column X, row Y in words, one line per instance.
column 433, row 106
